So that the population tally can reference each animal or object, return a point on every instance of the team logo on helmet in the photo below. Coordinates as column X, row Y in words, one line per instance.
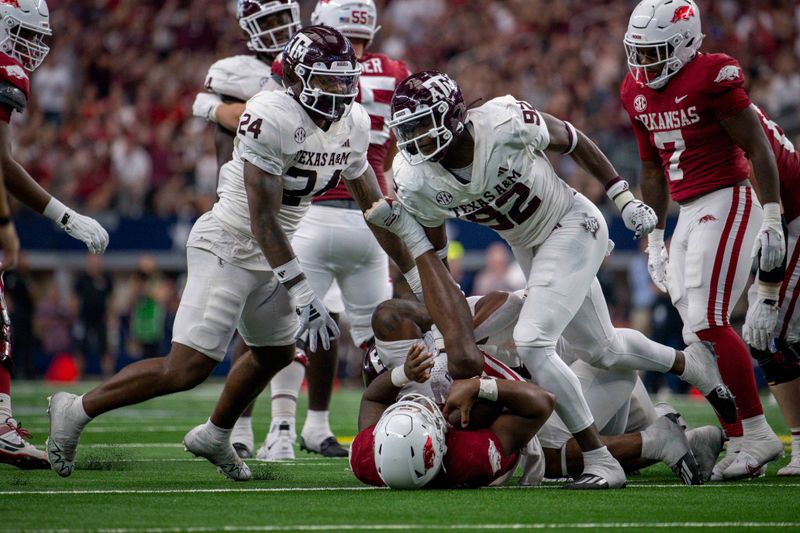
column 428, row 454
column 444, row 198
column 640, row 103
column 298, row 47
column 299, row 135
column 728, row 72
column 440, row 87
column 12, row 3
column 683, row 13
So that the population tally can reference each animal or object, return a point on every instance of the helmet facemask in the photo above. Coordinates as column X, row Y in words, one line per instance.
column 329, row 92
column 24, row 44
column 272, row 27
column 421, row 134
column 653, row 64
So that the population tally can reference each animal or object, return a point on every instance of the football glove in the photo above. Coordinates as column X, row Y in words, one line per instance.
column 85, row 229
column 762, row 316
column 393, row 217
column 639, row 218
column 314, row 317
column 770, row 241
column 205, row 106
column 657, row 259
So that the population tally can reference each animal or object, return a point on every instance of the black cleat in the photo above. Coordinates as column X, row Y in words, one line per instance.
column 588, row 482
column 242, row 451
column 330, row 447
column 723, row 402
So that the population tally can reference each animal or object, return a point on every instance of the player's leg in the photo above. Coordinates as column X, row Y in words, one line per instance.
column 560, row 274
column 209, row 309
column 267, row 326
column 242, row 436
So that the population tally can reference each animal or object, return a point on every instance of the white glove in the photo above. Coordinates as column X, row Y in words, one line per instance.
column 205, row 106
column 314, row 317
column 639, row 218
column 393, row 217
column 762, row 316
column 83, row 228
column 657, row 259
column 770, row 241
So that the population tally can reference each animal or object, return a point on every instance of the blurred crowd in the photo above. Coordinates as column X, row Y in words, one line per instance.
column 109, row 127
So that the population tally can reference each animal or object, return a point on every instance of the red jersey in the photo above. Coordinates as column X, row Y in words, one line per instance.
column 788, row 160
column 380, row 75
column 680, row 125
column 474, row 458
column 12, row 73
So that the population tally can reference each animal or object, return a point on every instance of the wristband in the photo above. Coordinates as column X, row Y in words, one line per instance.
column 656, row 238
column 442, row 253
column 488, row 390
column 399, row 378
column 768, row 291
column 772, row 212
column 572, row 135
column 55, row 211
column 288, row 271
column 414, row 281
column 619, row 191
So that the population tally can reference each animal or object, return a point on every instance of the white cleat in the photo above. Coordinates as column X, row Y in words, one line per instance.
column 753, row 456
column 730, row 454
column 702, row 372
column 677, row 452
column 242, row 438
column 221, row 454
column 664, row 408
column 605, row 473
column 706, row 443
column 62, row 442
column 15, row 449
column 279, row 444
column 792, row 469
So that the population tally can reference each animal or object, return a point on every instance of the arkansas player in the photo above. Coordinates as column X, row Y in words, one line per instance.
column 772, row 313
column 695, row 130
column 333, row 243
column 408, row 444
column 25, row 27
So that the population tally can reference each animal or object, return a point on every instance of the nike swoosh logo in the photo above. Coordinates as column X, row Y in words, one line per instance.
column 678, row 100
column 13, row 446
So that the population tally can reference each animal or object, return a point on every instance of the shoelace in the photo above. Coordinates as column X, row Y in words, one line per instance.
column 17, row 428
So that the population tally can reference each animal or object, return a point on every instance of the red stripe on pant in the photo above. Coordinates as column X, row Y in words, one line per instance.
column 719, row 259
column 734, row 260
column 795, row 291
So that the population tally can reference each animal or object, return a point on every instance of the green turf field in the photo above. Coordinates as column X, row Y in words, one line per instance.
column 133, row 475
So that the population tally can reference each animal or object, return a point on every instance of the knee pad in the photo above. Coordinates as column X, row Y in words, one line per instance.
column 779, row 367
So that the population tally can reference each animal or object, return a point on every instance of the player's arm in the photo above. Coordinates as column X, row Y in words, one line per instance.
column 228, row 114
column 25, row 189
column 9, row 242
column 656, row 193
column 565, row 139
column 744, row 128
column 528, row 407
column 438, row 238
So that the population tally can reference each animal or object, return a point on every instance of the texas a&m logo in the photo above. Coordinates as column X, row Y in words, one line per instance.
column 298, row 47
column 440, row 87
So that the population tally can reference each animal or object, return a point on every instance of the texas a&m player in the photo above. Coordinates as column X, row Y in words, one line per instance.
column 695, row 130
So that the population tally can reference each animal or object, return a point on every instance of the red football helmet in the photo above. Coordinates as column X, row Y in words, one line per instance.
column 428, row 111
column 269, row 24
column 321, row 72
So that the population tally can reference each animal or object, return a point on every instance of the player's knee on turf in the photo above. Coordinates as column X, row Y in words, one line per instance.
column 782, row 366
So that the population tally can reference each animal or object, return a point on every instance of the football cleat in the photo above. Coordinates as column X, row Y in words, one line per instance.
column 15, row 449
column 663, row 408
column 242, row 438
column 753, row 456
column 792, row 469
column 604, row 473
column 279, row 444
column 62, row 442
column 677, row 450
column 701, row 371
column 730, row 454
column 706, row 443
column 329, row 447
column 200, row 443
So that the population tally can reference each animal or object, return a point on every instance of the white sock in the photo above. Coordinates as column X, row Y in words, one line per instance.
column 5, row 407
column 77, row 411
column 652, row 448
column 285, row 387
column 217, row 433
column 756, row 427
column 795, row 442
column 317, row 424
column 595, row 456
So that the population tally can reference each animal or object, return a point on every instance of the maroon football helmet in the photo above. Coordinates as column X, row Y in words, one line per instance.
column 428, row 111
column 321, row 71
column 269, row 24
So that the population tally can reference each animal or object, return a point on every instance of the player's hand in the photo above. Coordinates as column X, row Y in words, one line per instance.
column 770, row 240
column 760, row 323
column 462, row 396
column 85, row 229
column 639, row 218
column 418, row 363
column 9, row 244
column 393, row 217
column 657, row 259
column 205, row 106
column 314, row 317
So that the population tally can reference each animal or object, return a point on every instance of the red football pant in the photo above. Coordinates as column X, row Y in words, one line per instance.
column 5, row 380
column 736, row 368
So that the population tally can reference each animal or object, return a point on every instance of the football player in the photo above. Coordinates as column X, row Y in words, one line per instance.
column 25, row 29
column 772, row 326
column 695, row 130
column 488, row 165
column 230, row 82
column 334, row 245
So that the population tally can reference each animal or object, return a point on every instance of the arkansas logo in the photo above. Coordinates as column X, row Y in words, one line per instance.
column 706, row 218
column 14, row 71
column 12, row 3
column 427, row 453
column 683, row 13
column 727, row 73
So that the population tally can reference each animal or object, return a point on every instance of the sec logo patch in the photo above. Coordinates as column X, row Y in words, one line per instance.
column 299, row 135
column 444, row 198
column 640, row 103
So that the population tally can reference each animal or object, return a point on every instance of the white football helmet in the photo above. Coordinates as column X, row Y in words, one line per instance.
column 269, row 24
column 662, row 36
column 410, row 442
column 25, row 25
column 355, row 19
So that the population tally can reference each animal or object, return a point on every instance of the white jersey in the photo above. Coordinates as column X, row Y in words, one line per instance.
column 513, row 188
column 277, row 136
column 240, row 77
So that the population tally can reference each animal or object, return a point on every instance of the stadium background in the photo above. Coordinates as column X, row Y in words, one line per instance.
column 110, row 132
